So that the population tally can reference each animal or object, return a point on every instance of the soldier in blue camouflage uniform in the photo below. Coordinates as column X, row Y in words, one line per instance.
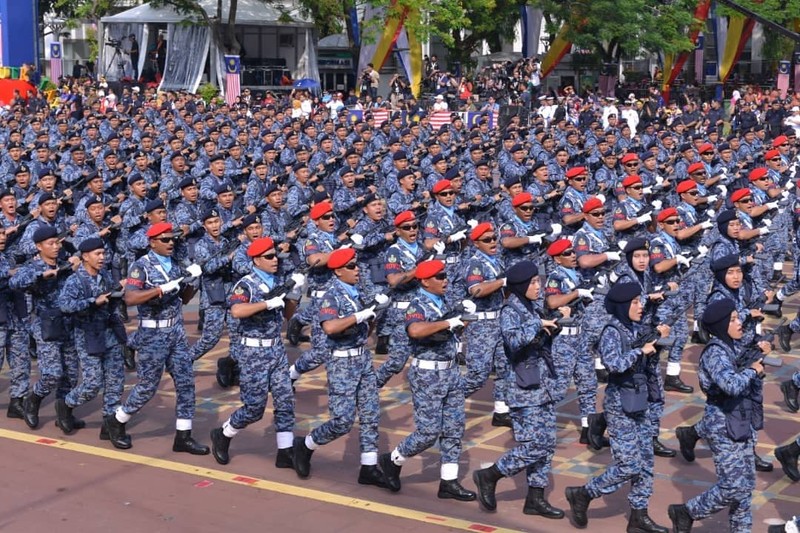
column 521, row 236
column 485, row 279
column 437, row 387
column 262, row 359
column 570, row 207
column 99, row 335
column 626, row 406
column 627, row 221
column 14, row 335
column 351, row 379
column 734, row 410
column 444, row 230
column 532, row 393
column 400, row 264
column 158, row 286
column 42, row 278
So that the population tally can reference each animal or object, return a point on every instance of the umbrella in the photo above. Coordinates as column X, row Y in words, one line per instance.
column 306, row 83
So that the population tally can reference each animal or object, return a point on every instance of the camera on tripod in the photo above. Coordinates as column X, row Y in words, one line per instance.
column 114, row 43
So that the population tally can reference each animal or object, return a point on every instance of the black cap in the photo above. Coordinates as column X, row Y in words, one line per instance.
column 43, row 233
column 91, row 244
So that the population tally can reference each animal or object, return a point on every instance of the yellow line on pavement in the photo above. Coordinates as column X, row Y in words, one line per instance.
column 247, row 481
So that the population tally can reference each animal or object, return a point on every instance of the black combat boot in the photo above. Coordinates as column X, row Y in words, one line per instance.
column 762, row 465
column 594, row 435
column 640, row 522
column 502, row 420
column 681, row 519
column 293, row 331
column 687, row 437
column 225, row 372
column 602, row 375
column 675, row 384
column 579, row 500
column 372, row 475
column 451, row 489
column 382, row 347
column 31, row 407
column 391, row 471
column 789, row 391
column 486, row 481
column 129, row 358
column 64, row 417
column 784, row 334
column 302, row 457
column 662, row 451
column 185, row 443
column 787, row 455
column 116, row 432
column 283, row 459
column 537, row 504
column 16, row 408
column 219, row 446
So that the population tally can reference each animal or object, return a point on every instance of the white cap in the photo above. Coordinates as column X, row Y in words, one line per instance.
column 439, row 97
column 795, row 109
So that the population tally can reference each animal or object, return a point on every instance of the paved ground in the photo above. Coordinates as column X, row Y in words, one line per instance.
column 78, row 483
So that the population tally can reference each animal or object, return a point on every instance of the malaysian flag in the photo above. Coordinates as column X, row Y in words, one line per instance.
column 784, row 67
column 232, row 79
column 55, row 62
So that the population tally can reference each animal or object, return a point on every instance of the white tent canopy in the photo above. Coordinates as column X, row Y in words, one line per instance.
column 261, row 24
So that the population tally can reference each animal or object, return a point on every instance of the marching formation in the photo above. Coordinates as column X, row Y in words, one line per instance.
column 529, row 257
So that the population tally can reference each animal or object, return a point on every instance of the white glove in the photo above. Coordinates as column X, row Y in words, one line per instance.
column 381, row 299
column 195, row 270
column 622, row 244
column 763, row 231
column 472, row 223
column 555, row 229
column 613, row 277
column 659, row 180
column 365, row 314
column 647, row 190
column 724, row 189
column 344, row 246
column 439, row 247
column 772, row 205
column 357, row 239
column 469, row 307
column 535, row 239
column 455, row 322
column 767, row 222
column 170, row 286
column 656, row 204
column 601, row 197
column 703, row 250
column 298, row 279
column 586, row 293
column 277, row 302
column 711, row 198
column 710, row 213
column 706, row 224
column 682, row 260
column 789, row 185
column 458, row 236
column 647, row 217
column 612, row 256
column 785, row 194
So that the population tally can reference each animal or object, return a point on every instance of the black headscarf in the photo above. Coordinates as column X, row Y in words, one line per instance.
column 518, row 279
column 632, row 246
column 722, row 222
column 618, row 301
column 721, row 265
column 716, row 318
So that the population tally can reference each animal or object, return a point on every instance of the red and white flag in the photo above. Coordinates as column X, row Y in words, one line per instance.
column 233, row 87
column 440, row 118
column 784, row 67
column 380, row 115
column 55, row 62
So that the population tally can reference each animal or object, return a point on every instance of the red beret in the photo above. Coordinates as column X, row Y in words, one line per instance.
column 340, row 257
column 771, row 154
column 757, row 173
column 779, row 140
column 633, row 179
column 320, row 209
column 738, row 194
column 685, row 186
column 574, row 172
column 666, row 213
column 591, row 204
column 521, row 198
column 260, row 246
column 694, row 167
column 405, row 216
column 428, row 269
column 479, row 230
column 707, row 147
column 559, row 247
column 440, row 186
column 158, row 229
column 627, row 158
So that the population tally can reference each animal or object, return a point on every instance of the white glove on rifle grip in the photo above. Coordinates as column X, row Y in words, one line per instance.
column 170, row 286
column 458, row 236
column 299, row 279
column 585, row 293
column 455, row 322
column 612, row 256
column 357, row 239
column 381, row 299
column 469, row 307
column 555, row 229
column 472, row 223
column 707, row 224
column 763, row 231
column 365, row 314
column 276, row 302
column 682, row 260
column 647, row 217
column 535, row 239
column 711, row 198
column 195, row 270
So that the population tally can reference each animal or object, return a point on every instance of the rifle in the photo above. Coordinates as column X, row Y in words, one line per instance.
column 753, row 353
column 287, row 286
column 651, row 334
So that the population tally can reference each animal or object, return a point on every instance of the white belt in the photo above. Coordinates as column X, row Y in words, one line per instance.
column 258, row 343
column 401, row 305
column 145, row 323
column 432, row 365
column 569, row 331
column 352, row 352
column 453, row 259
column 318, row 294
column 489, row 315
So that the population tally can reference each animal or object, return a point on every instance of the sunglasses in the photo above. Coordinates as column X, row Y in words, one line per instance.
column 441, row 276
column 166, row 240
column 672, row 221
column 409, row 227
column 746, row 201
column 775, row 159
column 326, row 216
column 764, row 178
column 636, row 187
column 568, row 253
column 269, row 257
column 493, row 238
column 598, row 213
column 578, row 179
column 525, row 207
column 703, row 173
column 351, row 266
column 693, row 193
column 631, row 164
column 784, row 144
column 447, row 193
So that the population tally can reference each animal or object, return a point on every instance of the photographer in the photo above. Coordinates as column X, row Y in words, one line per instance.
column 397, row 87
column 370, row 80
column 133, row 51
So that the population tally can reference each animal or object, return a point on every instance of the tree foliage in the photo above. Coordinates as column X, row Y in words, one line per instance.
column 615, row 28
column 782, row 12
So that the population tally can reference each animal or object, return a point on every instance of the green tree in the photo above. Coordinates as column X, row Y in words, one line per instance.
column 782, row 12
